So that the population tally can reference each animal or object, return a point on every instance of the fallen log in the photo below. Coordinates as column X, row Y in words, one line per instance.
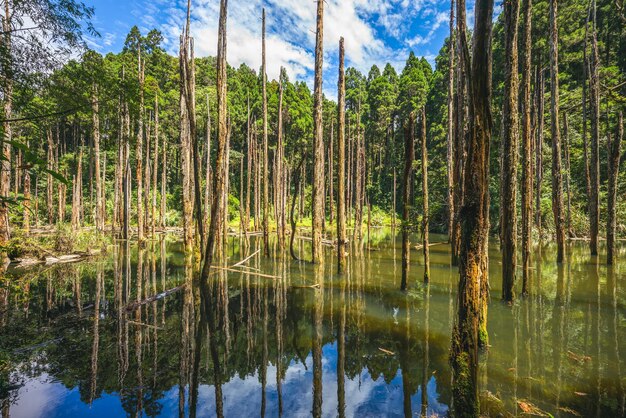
column 134, row 305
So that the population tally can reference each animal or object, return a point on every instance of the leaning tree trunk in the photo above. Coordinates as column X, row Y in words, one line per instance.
column 527, row 146
column 341, row 162
column 474, row 216
column 219, row 180
column 318, row 139
column 409, row 156
column 509, row 180
column 426, row 214
column 557, row 176
column 594, row 169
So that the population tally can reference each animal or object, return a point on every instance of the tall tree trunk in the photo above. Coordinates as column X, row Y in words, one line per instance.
column 278, row 170
column 77, row 188
column 341, row 162
column 540, row 95
column 185, row 148
column 5, row 141
column 584, row 106
column 27, row 202
column 509, row 147
column 96, row 148
column 207, row 173
column 474, row 217
column 163, row 209
column 451, row 132
column 409, row 156
column 527, row 146
column 568, row 174
column 127, row 173
column 249, row 168
column 219, row 180
column 49, row 179
column 557, row 176
column 613, row 163
column 139, row 153
column 594, row 101
column 331, row 198
column 425, row 212
column 318, row 139
column 156, row 163
column 266, row 244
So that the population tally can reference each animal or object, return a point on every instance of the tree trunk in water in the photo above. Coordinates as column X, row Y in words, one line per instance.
column 527, row 146
column 219, row 181
column 127, row 184
column 77, row 188
column 5, row 145
column 249, row 170
column 27, row 202
column 540, row 90
column 331, row 199
column 409, row 156
column 568, row 174
column 613, row 163
column 139, row 154
column 279, row 206
column 594, row 172
column 341, row 162
column 510, row 122
column 425, row 214
column 557, row 176
column 318, row 139
column 185, row 148
column 155, row 165
column 451, row 132
column 474, row 216
column 207, row 172
column 163, row 209
column 49, row 180
column 266, row 242
column 96, row 149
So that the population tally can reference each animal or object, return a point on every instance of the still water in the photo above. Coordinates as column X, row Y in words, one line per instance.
column 278, row 336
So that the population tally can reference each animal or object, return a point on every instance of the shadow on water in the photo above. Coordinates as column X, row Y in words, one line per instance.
column 297, row 339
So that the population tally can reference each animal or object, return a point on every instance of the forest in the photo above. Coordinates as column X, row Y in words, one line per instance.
column 175, row 231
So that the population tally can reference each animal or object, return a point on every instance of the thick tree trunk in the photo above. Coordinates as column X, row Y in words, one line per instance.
column 451, row 132
column 584, row 107
column 341, row 162
column 594, row 171
column 318, row 139
column 527, row 147
column 219, row 181
column 474, row 218
column 510, row 122
column 613, row 163
column 557, row 176
column 185, row 148
column 425, row 212
column 266, row 242
column 409, row 156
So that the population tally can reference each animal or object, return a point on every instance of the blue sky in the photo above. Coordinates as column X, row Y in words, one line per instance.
column 375, row 31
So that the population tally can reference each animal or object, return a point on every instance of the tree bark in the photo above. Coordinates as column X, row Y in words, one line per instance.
column 278, row 171
column 185, row 148
column 425, row 214
column 451, row 131
column 409, row 156
column 613, row 163
column 318, row 139
column 568, row 174
column 5, row 146
column 341, row 162
column 96, row 148
column 49, row 179
column 540, row 90
column 510, row 122
column 266, row 242
column 27, row 202
column 557, row 176
column 594, row 171
column 156, row 163
column 219, row 180
column 474, row 217
column 527, row 146
column 139, row 154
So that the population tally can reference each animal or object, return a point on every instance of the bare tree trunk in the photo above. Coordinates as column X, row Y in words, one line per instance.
column 358, row 179
column 278, row 170
column 568, row 175
column 127, row 183
column 527, row 146
column 49, row 180
column 540, row 90
column 96, row 147
column 249, row 170
column 207, row 174
column 77, row 191
column 584, row 106
column 613, row 163
column 509, row 151
column 147, row 175
column 219, row 181
column 266, row 245
column 594, row 101
column 341, row 162
column 156, row 164
column 474, row 217
column 185, row 149
column 451, row 131
column 557, row 176
column 139, row 153
column 331, row 198
column 27, row 202
column 318, row 139
column 409, row 156
column 5, row 141
column 425, row 214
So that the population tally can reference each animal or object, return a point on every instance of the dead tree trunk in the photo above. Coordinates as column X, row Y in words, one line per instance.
column 185, row 148
column 568, row 174
column 207, row 173
column 341, row 162
column 594, row 172
column 77, row 191
column 49, row 179
column 249, row 170
column 557, row 176
column 425, row 212
column 474, row 216
column 27, row 202
column 510, row 121
column 155, row 164
column 409, row 156
column 139, row 154
column 540, row 90
column 266, row 245
column 219, row 181
column 527, row 147
column 96, row 148
column 451, row 132
column 318, row 139
column 279, row 206
column 613, row 163
column 331, row 199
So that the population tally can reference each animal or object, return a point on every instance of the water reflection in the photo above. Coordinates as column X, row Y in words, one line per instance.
column 299, row 340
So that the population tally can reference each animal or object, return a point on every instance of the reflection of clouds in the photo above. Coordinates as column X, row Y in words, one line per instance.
column 242, row 395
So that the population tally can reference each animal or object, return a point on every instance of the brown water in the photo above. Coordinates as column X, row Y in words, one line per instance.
column 249, row 345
